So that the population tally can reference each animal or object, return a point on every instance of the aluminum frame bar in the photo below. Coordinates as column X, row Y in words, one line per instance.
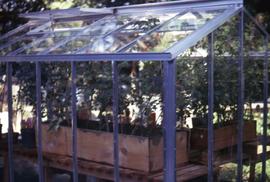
column 59, row 31
column 38, row 119
column 210, row 70
column 47, row 14
column 193, row 38
column 265, row 108
column 80, row 17
column 240, row 102
column 115, row 98
column 89, row 57
column 175, row 5
column 169, row 120
column 59, row 44
column 131, row 9
column 10, row 122
column 171, row 10
column 74, row 122
column 64, row 13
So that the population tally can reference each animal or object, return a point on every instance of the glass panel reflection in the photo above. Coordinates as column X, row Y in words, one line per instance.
column 20, row 42
column 47, row 42
column 136, row 33
column 135, row 27
column 21, row 32
column 174, row 31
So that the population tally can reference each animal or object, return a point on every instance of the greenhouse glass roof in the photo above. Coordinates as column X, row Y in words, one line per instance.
column 158, row 31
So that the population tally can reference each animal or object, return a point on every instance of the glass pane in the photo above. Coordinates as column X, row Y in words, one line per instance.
column 73, row 23
column 20, row 42
column 109, row 34
column 116, row 34
column 46, row 43
column 21, row 32
column 79, row 39
column 110, row 43
column 18, row 38
column 74, row 44
column 174, row 31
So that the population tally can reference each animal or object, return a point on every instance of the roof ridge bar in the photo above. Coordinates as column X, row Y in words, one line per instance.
column 67, row 12
column 258, row 25
column 62, row 42
column 189, row 41
column 104, row 36
column 169, row 5
column 50, row 12
column 130, row 44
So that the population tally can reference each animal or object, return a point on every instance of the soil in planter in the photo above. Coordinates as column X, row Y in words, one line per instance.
column 203, row 124
column 127, row 128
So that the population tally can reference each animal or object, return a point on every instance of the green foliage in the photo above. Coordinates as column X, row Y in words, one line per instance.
column 228, row 172
column 146, row 89
column 10, row 10
column 61, row 4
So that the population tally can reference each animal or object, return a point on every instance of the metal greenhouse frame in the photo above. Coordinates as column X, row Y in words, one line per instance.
column 212, row 15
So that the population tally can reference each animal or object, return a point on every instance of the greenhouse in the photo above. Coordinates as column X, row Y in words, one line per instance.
column 170, row 91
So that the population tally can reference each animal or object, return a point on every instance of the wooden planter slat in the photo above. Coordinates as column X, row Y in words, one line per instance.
column 135, row 152
column 223, row 137
column 98, row 146
column 54, row 142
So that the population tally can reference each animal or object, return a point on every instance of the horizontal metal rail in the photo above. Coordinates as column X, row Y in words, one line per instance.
column 88, row 57
column 174, row 5
column 131, row 9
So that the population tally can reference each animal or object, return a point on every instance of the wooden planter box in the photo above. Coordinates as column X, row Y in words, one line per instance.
column 223, row 137
column 138, row 153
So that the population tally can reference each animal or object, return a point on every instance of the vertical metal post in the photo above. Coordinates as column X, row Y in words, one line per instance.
column 115, row 99
column 210, row 68
column 10, row 122
column 38, row 119
column 265, row 109
column 240, row 103
column 74, row 122
column 169, row 122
